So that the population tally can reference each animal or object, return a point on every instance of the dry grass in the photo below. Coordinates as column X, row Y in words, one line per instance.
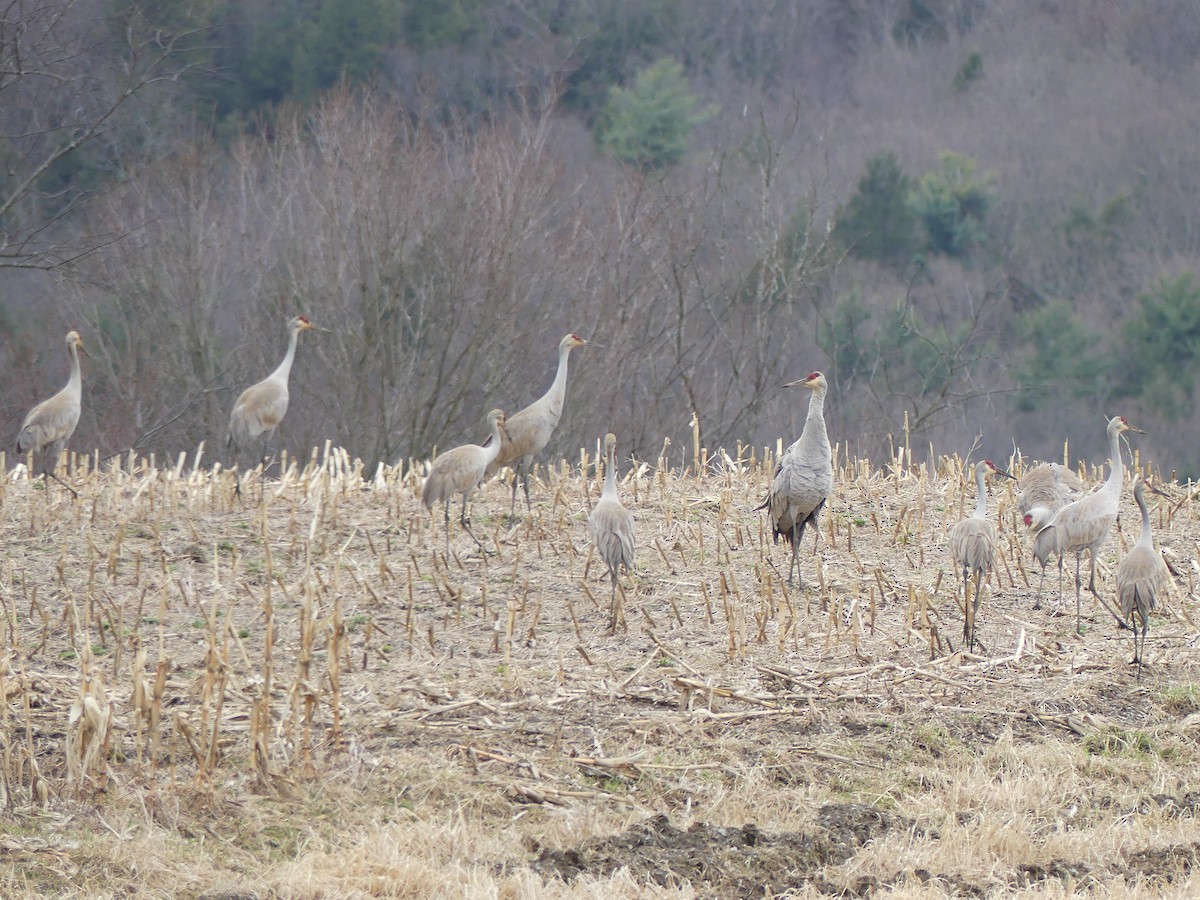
column 302, row 696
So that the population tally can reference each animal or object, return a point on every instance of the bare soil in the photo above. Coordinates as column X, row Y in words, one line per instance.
column 299, row 693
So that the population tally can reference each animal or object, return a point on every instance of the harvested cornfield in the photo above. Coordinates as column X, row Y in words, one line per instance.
column 298, row 693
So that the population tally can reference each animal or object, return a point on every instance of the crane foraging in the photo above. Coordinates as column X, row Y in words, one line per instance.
column 1085, row 524
column 611, row 527
column 50, row 424
column 261, row 407
column 527, row 432
column 1140, row 575
column 460, row 471
column 972, row 545
column 804, row 475
column 1048, row 487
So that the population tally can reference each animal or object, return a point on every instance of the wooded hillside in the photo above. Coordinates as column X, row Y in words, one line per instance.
column 977, row 219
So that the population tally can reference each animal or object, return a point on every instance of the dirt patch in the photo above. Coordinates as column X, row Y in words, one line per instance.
column 724, row 862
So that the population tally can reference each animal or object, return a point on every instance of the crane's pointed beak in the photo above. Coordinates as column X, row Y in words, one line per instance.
column 1004, row 474
column 594, row 344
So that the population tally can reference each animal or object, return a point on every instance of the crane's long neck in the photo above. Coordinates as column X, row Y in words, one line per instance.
column 1147, row 537
column 284, row 369
column 1116, row 472
column 492, row 450
column 558, row 388
column 75, row 381
column 610, row 476
column 980, row 492
column 814, row 433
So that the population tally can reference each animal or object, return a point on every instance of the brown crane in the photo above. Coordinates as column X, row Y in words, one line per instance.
column 527, row 432
column 51, row 423
column 972, row 545
column 1140, row 575
column 261, row 407
column 460, row 471
column 804, row 475
column 1085, row 524
column 611, row 527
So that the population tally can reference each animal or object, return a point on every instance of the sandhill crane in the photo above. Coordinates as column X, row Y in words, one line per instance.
column 51, row 423
column 611, row 527
column 460, row 471
column 1049, row 486
column 1086, row 523
column 261, row 407
column 527, row 432
column 1139, row 576
column 804, row 475
column 972, row 545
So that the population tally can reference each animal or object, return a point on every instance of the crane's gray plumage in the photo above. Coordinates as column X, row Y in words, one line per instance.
column 804, row 476
column 1043, row 491
column 611, row 527
column 972, row 544
column 527, row 432
column 1140, row 576
column 1086, row 523
column 261, row 407
column 50, row 424
column 460, row 471
column 1048, row 486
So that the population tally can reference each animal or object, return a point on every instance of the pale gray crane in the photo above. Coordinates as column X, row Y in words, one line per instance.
column 1085, row 524
column 804, row 475
column 1049, row 486
column 51, row 423
column 461, row 471
column 611, row 527
column 1043, row 491
column 972, row 545
column 261, row 407
column 1140, row 576
column 527, row 432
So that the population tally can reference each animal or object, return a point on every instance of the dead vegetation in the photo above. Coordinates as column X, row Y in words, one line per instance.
column 307, row 697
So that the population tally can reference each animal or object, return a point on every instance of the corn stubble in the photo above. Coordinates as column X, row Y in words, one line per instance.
column 176, row 658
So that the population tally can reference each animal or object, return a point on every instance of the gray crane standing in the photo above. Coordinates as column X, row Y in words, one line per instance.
column 804, row 475
column 972, row 545
column 461, row 471
column 611, row 527
column 527, row 432
column 261, row 407
column 1140, row 575
column 1086, row 524
column 51, row 423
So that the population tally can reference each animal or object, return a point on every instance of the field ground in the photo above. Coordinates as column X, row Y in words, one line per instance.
column 302, row 695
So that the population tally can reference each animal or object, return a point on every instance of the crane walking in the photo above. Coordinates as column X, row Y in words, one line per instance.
column 527, row 432
column 973, row 547
column 51, row 423
column 804, row 475
column 611, row 528
column 1140, row 575
column 261, row 407
column 1085, row 524
column 460, row 471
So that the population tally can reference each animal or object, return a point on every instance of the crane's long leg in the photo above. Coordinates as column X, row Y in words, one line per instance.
column 1078, row 620
column 446, row 510
column 512, row 507
column 525, row 484
column 795, row 556
column 1092, row 587
column 612, row 603
column 1037, row 601
column 968, row 623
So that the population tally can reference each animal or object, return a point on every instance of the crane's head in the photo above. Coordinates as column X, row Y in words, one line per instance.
column 610, row 443
column 1118, row 424
column 300, row 323
column 1038, row 517
column 1151, row 487
column 571, row 341
column 812, row 381
column 75, row 342
column 992, row 470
